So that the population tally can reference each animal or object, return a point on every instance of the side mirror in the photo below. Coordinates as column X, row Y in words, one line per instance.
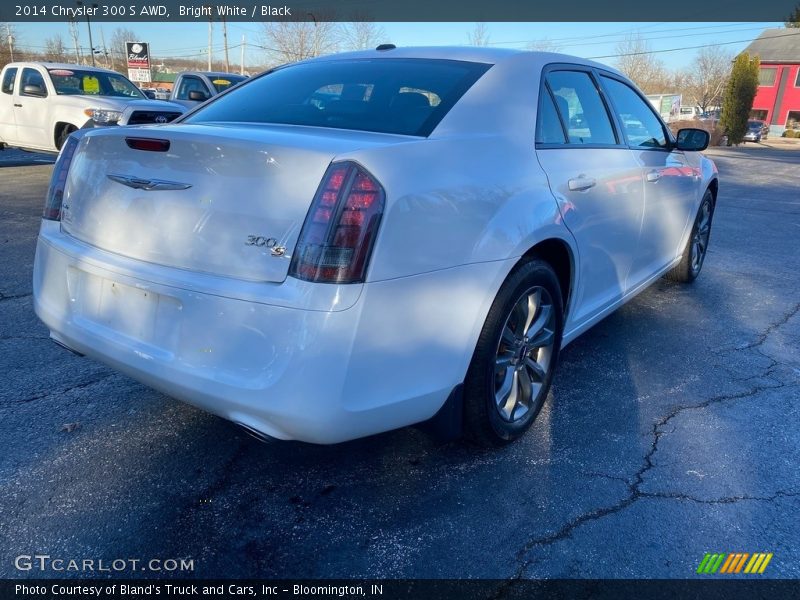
column 198, row 96
column 31, row 89
column 693, row 140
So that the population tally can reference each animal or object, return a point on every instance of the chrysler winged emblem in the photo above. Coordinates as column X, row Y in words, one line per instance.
column 148, row 184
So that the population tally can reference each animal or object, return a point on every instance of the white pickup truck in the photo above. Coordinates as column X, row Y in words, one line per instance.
column 42, row 103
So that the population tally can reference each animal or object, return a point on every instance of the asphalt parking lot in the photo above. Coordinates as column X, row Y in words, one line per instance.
column 671, row 431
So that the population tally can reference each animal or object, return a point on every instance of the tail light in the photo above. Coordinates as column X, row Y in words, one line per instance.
column 337, row 237
column 55, row 193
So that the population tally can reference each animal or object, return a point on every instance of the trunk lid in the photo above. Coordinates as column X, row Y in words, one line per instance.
column 247, row 189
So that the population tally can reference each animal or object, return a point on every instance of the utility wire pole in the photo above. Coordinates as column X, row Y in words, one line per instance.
column 225, row 40
column 10, row 41
column 241, row 62
column 210, row 26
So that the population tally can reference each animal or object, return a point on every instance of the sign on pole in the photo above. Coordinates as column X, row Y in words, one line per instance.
column 138, row 61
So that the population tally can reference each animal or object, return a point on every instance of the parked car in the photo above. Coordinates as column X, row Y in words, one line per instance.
column 688, row 113
column 149, row 94
column 42, row 103
column 193, row 87
column 419, row 248
column 756, row 131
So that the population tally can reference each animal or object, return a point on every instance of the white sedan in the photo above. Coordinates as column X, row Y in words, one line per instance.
column 365, row 241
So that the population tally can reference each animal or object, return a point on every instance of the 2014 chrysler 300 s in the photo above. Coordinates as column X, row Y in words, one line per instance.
column 358, row 242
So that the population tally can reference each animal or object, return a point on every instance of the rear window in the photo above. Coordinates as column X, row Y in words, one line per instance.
column 404, row 96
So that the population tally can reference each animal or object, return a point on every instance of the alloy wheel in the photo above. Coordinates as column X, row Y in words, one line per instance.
column 524, row 354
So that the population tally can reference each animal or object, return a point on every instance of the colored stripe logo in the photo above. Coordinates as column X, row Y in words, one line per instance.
column 734, row 563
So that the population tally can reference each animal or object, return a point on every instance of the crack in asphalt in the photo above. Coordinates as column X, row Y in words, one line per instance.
column 634, row 491
column 4, row 297
column 77, row 386
column 772, row 328
column 725, row 500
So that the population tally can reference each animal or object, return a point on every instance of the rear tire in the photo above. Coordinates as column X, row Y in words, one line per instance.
column 512, row 368
column 694, row 253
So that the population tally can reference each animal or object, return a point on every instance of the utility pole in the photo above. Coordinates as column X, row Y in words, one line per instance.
column 105, row 50
column 10, row 41
column 73, row 32
column 225, row 39
column 241, row 62
column 89, row 27
column 210, row 25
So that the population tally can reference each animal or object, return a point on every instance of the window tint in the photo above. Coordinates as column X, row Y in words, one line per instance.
column 77, row 82
column 223, row 83
column 766, row 76
column 190, row 84
column 640, row 124
column 8, row 80
column 581, row 108
column 32, row 77
column 405, row 96
column 548, row 128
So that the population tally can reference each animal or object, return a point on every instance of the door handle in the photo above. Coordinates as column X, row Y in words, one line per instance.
column 653, row 176
column 18, row 105
column 579, row 184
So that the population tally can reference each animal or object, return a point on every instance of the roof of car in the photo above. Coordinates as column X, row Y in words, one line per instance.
column 481, row 54
column 55, row 65
column 210, row 73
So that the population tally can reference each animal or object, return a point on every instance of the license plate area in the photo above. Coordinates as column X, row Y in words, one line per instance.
column 135, row 312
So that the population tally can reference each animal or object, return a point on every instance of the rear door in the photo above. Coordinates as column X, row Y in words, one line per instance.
column 670, row 182
column 8, row 124
column 596, row 180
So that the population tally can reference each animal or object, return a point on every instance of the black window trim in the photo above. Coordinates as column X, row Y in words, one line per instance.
column 590, row 71
column 16, row 71
column 21, row 91
column 667, row 131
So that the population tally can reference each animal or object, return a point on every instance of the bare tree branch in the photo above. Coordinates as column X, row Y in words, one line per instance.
column 361, row 35
column 479, row 36
column 641, row 66
column 290, row 41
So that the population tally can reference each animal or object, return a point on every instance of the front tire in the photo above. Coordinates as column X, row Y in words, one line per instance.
column 64, row 134
column 512, row 368
column 694, row 254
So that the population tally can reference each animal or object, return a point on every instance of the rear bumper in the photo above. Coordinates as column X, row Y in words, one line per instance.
column 304, row 361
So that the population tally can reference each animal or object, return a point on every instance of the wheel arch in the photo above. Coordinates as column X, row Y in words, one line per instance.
column 59, row 128
column 560, row 256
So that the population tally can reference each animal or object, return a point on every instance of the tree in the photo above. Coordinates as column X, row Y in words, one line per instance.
column 543, row 45
column 479, row 36
column 739, row 95
column 361, row 35
column 794, row 19
column 118, row 49
column 54, row 49
column 8, row 41
column 290, row 41
column 705, row 81
column 637, row 62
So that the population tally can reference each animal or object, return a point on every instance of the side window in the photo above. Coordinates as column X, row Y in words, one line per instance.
column 190, row 84
column 548, row 125
column 581, row 107
column 641, row 126
column 33, row 77
column 8, row 80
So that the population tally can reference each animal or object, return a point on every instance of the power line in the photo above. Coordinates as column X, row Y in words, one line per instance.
column 771, row 37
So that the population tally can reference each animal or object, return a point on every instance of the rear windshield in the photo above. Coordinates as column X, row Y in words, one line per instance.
column 405, row 96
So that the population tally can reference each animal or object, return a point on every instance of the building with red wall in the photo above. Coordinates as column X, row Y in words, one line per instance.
column 778, row 98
